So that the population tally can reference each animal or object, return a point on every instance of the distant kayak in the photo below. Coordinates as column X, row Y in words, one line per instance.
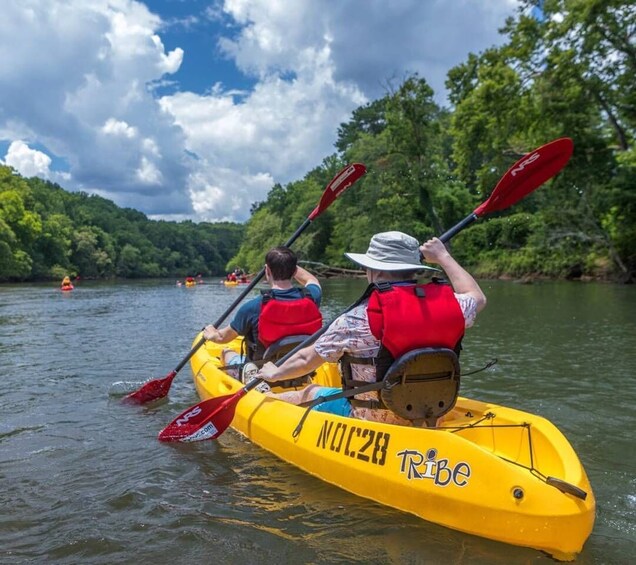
column 235, row 283
column 66, row 284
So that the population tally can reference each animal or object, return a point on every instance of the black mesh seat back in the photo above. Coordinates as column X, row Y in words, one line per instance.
column 283, row 346
column 422, row 385
column 280, row 348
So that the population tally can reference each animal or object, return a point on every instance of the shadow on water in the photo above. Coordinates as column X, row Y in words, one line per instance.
column 86, row 480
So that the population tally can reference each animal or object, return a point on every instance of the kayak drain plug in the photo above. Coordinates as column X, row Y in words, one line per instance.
column 517, row 493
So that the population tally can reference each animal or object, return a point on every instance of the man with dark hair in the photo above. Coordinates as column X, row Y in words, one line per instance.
column 281, row 262
column 283, row 311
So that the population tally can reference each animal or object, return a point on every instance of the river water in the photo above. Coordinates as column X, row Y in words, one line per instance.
column 83, row 478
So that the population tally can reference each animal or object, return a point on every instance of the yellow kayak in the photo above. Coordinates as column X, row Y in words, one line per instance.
column 488, row 470
column 235, row 283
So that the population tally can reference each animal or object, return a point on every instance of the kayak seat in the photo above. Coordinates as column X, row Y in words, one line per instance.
column 279, row 349
column 422, row 385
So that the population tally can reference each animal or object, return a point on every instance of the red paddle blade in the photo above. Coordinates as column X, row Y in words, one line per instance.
column 528, row 174
column 150, row 391
column 206, row 420
column 337, row 185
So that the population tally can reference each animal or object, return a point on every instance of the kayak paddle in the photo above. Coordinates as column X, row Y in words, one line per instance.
column 525, row 176
column 210, row 418
column 158, row 388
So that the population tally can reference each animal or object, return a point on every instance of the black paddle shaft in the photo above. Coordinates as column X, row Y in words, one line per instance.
column 240, row 297
column 458, row 227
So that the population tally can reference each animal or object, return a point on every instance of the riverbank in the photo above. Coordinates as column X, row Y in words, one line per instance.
column 322, row 270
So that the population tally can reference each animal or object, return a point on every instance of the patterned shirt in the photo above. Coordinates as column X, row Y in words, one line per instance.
column 350, row 333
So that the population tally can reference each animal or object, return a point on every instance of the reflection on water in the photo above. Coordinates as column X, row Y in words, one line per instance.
column 86, row 480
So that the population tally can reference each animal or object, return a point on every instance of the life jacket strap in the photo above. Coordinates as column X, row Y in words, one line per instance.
column 268, row 295
column 382, row 361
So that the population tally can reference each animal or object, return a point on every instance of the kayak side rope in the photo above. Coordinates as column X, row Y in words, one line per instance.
column 559, row 484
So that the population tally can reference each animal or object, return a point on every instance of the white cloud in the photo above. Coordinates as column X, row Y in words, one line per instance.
column 28, row 162
column 33, row 163
column 75, row 81
column 79, row 77
column 148, row 173
column 210, row 195
column 118, row 127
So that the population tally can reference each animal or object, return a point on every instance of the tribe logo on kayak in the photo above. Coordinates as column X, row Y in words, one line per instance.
column 416, row 465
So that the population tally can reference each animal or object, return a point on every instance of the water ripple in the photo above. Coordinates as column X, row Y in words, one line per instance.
column 86, row 480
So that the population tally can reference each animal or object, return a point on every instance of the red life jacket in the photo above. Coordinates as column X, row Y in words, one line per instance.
column 407, row 317
column 404, row 317
column 281, row 318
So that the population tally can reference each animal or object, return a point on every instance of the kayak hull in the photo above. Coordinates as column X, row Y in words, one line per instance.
column 483, row 471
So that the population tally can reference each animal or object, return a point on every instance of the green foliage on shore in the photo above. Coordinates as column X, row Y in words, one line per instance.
column 566, row 70
column 47, row 233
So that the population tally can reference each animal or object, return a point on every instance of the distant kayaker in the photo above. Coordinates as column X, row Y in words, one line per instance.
column 392, row 257
column 283, row 311
column 66, row 282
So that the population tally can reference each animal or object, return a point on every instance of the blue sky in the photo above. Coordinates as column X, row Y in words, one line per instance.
column 196, row 26
column 193, row 109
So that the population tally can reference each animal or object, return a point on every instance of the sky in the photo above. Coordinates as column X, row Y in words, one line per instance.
column 194, row 109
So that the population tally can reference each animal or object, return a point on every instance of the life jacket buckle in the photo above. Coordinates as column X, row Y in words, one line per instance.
column 383, row 286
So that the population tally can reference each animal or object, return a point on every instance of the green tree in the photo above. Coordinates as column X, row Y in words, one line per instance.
column 368, row 119
column 93, row 253
column 566, row 70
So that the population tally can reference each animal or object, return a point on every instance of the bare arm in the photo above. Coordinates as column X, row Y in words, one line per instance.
column 304, row 277
column 435, row 252
column 299, row 364
column 224, row 335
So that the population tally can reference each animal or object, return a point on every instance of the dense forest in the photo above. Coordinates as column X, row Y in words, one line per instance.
column 568, row 71
column 47, row 233
column 566, row 68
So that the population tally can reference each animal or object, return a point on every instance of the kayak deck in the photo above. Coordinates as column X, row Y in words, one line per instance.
column 486, row 470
